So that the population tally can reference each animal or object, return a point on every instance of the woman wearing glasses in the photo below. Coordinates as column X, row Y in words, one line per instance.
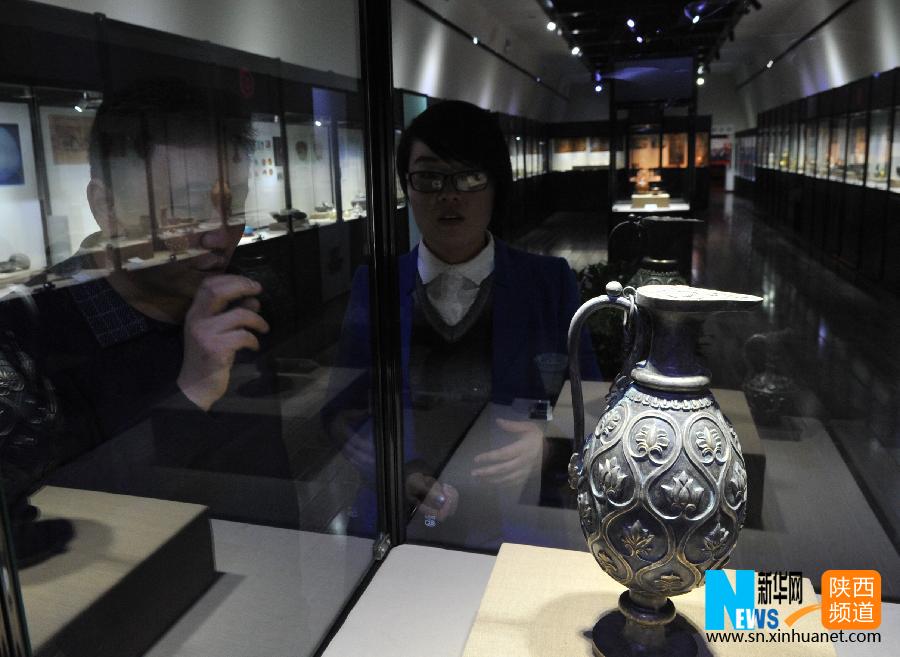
column 478, row 317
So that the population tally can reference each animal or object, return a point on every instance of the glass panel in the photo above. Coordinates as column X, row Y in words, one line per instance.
column 879, row 149
column 170, row 322
column 353, row 172
column 675, row 150
column 837, row 148
column 856, row 149
column 809, row 167
column 517, row 157
column 784, row 148
column 311, row 167
column 822, row 149
column 895, row 154
column 701, row 154
column 800, row 150
column 644, row 150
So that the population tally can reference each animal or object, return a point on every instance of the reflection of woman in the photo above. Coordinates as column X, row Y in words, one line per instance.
column 475, row 312
column 302, row 150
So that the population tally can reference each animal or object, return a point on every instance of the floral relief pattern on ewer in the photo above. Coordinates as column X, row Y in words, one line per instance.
column 609, row 480
column 737, row 485
column 716, row 542
column 651, row 440
column 710, row 443
column 638, row 540
column 684, row 497
column 608, row 424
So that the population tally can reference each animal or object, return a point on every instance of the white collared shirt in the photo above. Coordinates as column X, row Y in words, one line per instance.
column 452, row 289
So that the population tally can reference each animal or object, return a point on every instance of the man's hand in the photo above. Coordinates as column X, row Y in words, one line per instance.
column 511, row 465
column 219, row 323
column 433, row 497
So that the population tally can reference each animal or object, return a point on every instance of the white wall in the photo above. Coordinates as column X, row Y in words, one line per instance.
column 862, row 40
column 718, row 97
column 432, row 59
column 319, row 34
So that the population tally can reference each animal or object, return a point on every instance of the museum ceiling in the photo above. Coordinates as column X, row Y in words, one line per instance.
column 615, row 30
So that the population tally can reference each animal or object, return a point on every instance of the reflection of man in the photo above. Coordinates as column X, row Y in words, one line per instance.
column 165, row 327
column 475, row 314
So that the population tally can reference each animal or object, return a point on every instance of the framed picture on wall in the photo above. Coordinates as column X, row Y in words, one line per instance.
column 70, row 138
column 12, row 170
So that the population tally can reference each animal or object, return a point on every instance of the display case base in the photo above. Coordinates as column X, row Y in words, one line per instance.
column 544, row 602
column 133, row 567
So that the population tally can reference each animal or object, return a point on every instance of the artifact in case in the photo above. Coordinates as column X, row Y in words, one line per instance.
column 661, row 481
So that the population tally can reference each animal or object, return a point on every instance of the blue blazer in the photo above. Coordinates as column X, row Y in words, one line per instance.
column 534, row 298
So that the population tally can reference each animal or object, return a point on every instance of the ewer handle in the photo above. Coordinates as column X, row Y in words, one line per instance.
column 613, row 298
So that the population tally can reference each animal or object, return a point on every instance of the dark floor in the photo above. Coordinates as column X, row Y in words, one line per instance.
column 833, row 454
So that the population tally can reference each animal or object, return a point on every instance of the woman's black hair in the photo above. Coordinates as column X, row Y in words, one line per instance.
column 456, row 130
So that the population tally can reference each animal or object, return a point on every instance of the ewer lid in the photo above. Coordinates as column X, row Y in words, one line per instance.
column 687, row 299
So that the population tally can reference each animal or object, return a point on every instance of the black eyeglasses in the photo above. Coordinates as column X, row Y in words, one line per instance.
column 429, row 182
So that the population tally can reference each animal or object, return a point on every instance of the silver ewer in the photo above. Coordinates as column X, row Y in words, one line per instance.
column 661, row 481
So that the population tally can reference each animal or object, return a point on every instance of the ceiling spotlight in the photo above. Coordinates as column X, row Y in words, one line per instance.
column 598, row 88
column 559, row 31
column 576, row 51
column 640, row 39
column 475, row 40
column 597, row 76
column 518, row 138
column 700, row 69
column 318, row 124
column 79, row 109
column 551, row 26
column 630, row 23
column 537, row 79
column 695, row 19
column 700, row 82
column 771, row 63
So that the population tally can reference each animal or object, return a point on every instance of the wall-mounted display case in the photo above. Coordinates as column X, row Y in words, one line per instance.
column 701, row 152
column 311, row 166
column 856, row 149
column 745, row 145
column 675, row 150
column 879, row 149
column 810, row 142
column 823, row 139
column 837, row 148
column 895, row 154
column 644, row 147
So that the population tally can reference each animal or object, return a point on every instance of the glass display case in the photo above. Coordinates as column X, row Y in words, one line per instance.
column 784, row 147
column 895, row 154
column 574, row 153
column 800, row 150
column 837, row 148
column 311, row 167
column 675, row 150
column 701, row 154
column 879, row 149
column 809, row 142
column 353, row 171
column 823, row 152
column 20, row 212
column 266, row 183
column 856, row 149
column 745, row 156
column 516, row 156
column 644, row 147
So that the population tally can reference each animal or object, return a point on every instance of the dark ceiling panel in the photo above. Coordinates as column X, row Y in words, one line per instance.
column 661, row 29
